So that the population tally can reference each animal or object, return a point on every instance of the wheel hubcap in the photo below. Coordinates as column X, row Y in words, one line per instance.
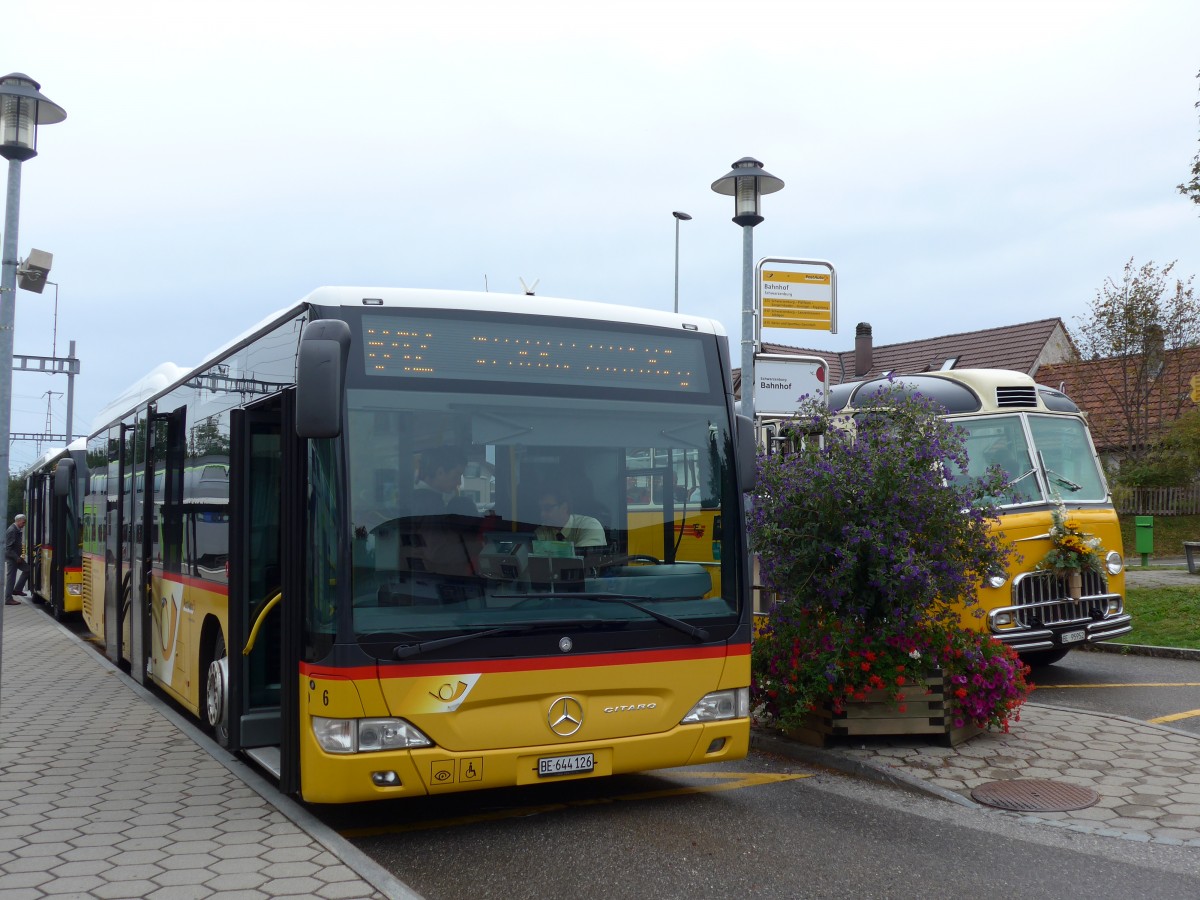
column 218, row 692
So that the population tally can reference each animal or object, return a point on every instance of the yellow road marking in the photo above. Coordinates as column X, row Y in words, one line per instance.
column 1175, row 718
column 730, row 783
column 1137, row 684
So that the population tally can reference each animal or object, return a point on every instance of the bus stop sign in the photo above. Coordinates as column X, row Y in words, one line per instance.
column 782, row 380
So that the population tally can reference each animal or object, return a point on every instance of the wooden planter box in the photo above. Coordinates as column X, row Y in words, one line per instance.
column 879, row 715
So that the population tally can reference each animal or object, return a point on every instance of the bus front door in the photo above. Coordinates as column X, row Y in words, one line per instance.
column 266, row 485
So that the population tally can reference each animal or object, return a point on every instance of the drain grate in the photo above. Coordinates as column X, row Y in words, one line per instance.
column 1035, row 795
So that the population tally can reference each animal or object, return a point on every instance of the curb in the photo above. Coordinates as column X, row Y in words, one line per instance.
column 1143, row 650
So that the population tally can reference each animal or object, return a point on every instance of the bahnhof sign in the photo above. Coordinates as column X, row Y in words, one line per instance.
column 797, row 293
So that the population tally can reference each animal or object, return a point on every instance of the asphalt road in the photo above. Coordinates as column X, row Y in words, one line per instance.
column 770, row 827
column 764, row 827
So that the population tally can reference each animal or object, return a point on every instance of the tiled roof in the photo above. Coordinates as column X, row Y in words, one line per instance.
column 1096, row 386
column 1022, row 347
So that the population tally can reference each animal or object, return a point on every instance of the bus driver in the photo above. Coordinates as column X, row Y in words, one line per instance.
column 560, row 524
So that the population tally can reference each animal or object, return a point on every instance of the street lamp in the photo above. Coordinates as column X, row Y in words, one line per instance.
column 746, row 183
column 679, row 217
column 22, row 109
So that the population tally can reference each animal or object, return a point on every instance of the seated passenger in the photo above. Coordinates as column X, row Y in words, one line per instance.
column 560, row 524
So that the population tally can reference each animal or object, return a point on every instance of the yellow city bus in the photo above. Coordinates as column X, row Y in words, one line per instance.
column 52, row 539
column 258, row 546
column 1041, row 439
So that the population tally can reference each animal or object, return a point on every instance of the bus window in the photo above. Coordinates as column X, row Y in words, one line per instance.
column 1071, row 469
column 1000, row 441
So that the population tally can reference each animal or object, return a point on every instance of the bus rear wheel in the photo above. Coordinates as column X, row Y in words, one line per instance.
column 1044, row 657
column 216, row 693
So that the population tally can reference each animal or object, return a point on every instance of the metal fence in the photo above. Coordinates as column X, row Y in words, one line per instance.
column 1167, row 501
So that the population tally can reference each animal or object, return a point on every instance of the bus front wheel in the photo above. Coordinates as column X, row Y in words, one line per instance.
column 216, row 693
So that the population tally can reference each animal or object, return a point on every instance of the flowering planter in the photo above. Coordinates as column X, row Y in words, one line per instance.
column 879, row 715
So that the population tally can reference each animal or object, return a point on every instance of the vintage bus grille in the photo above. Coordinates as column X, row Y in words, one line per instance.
column 1044, row 598
column 1016, row 396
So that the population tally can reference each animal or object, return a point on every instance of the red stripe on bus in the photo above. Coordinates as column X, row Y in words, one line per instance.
column 540, row 664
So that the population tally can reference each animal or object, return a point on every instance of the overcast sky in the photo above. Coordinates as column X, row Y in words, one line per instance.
column 964, row 165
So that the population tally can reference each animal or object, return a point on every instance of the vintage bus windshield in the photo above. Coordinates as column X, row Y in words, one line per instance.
column 1044, row 456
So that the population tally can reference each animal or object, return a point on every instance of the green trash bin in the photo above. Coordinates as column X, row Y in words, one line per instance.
column 1143, row 537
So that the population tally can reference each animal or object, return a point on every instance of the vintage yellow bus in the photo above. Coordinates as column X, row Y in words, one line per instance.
column 1040, row 438
column 260, row 545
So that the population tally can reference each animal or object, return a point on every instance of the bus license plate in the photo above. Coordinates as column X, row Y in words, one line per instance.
column 1072, row 637
column 566, row 765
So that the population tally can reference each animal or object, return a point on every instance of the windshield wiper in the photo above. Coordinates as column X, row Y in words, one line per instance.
column 1022, row 478
column 407, row 651
column 1065, row 482
column 700, row 634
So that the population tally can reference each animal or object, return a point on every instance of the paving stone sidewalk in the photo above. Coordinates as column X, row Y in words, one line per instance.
column 1147, row 776
column 106, row 793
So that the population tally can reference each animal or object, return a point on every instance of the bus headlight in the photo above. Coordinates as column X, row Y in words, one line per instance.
column 720, row 705
column 1114, row 562
column 366, row 735
column 997, row 579
column 1003, row 620
column 75, row 590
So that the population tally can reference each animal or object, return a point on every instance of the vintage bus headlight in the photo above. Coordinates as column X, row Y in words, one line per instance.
column 720, row 705
column 75, row 590
column 1114, row 562
column 1002, row 620
column 366, row 735
column 997, row 579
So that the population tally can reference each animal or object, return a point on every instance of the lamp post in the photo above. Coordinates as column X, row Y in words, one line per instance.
column 746, row 183
column 679, row 217
column 22, row 108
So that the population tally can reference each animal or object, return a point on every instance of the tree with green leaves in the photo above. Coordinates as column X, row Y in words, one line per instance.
column 1175, row 460
column 1191, row 188
column 1132, row 323
column 16, row 496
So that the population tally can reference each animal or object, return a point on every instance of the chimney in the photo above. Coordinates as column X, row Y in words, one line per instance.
column 862, row 349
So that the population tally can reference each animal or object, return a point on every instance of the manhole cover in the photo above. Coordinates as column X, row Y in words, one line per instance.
column 1035, row 795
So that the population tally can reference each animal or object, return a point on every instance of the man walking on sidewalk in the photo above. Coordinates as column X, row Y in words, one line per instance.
column 14, row 557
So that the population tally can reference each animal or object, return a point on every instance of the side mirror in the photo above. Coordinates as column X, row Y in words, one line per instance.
column 321, row 378
column 64, row 473
column 746, row 448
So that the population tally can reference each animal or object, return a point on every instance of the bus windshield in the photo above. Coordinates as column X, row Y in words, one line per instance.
column 473, row 512
column 1043, row 456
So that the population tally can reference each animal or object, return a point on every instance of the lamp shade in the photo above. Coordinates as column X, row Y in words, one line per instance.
column 22, row 108
column 746, row 182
